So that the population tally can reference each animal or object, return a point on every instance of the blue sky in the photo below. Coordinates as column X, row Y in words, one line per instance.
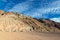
column 34, row 8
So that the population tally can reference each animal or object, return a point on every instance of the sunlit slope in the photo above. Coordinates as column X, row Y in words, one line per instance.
column 14, row 22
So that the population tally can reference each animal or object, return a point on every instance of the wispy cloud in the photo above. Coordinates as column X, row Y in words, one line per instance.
column 53, row 8
column 37, row 8
column 20, row 7
column 28, row 8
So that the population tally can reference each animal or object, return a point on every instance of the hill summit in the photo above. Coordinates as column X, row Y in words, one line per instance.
column 14, row 22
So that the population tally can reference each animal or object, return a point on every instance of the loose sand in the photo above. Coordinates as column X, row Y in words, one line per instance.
column 29, row 36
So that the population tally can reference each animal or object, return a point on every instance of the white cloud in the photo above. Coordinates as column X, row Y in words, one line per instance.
column 56, row 19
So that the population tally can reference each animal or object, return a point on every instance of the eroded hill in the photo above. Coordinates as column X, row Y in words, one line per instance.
column 14, row 22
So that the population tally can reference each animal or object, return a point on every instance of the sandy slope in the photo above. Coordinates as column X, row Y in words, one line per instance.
column 19, row 27
column 14, row 22
column 28, row 36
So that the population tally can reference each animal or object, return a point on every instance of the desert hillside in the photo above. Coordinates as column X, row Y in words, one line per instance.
column 14, row 22
column 49, row 22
